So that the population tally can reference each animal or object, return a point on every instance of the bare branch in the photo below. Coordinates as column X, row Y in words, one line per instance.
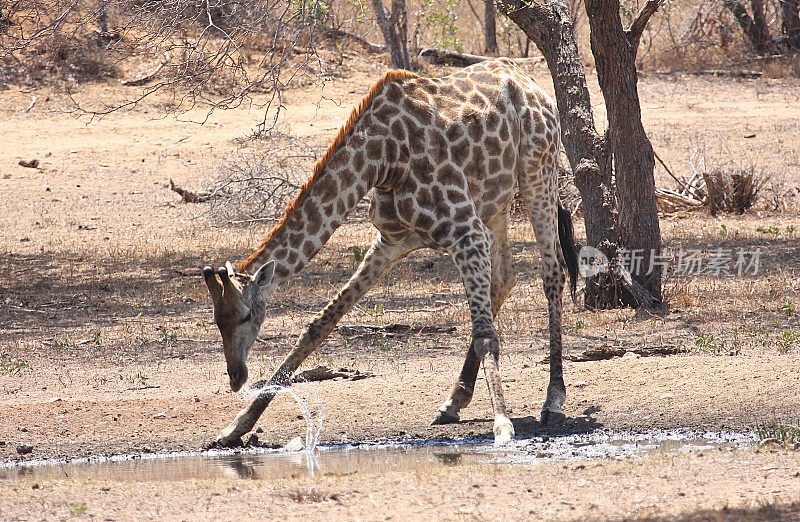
column 634, row 32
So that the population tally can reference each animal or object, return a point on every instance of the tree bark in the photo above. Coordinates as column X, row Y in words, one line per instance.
column 614, row 50
column 394, row 28
column 755, row 27
column 489, row 29
column 790, row 26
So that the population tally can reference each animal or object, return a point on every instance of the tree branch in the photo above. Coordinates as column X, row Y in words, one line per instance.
column 634, row 32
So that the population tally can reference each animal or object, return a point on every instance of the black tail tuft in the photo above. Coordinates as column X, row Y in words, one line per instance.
column 566, row 237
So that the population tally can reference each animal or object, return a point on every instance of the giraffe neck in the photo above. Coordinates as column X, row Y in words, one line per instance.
column 324, row 202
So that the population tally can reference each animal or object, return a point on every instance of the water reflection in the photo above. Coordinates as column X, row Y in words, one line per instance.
column 253, row 464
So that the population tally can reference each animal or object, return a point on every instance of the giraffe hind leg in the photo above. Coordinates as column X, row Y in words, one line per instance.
column 544, row 218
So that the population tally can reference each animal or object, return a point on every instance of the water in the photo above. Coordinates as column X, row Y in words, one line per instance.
column 340, row 459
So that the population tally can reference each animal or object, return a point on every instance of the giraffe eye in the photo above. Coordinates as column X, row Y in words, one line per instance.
column 246, row 318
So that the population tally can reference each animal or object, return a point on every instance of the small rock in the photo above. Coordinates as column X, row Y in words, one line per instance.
column 631, row 355
column 252, row 440
column 24, row 449
column 668, row 396
column 159, row 416
column 296, row 444
column 35, row 485
column 23, row 429
column 580, row 384
column 31, row 164
column 259, row 430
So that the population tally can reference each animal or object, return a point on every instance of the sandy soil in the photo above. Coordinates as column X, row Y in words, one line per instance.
column 107, row 344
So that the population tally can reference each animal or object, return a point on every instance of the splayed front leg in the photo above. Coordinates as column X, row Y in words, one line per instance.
column 244, row 421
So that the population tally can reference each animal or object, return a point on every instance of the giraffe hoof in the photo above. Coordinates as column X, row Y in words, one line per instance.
column 445, row 418
column 552, row 418
column 226, row 442
column 503, row 432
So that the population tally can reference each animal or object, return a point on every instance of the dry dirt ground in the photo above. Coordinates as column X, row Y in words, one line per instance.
column 107, row 343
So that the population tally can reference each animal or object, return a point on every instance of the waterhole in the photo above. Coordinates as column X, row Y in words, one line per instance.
column 257, row 463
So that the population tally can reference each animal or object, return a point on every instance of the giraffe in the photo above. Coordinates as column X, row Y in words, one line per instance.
column 443, row 158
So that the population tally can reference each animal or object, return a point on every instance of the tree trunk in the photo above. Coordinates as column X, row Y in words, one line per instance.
column 790, row 27
column 754, row 28
column 395, row 31
column 102, row 18
column 489, row 29
column 614, row 50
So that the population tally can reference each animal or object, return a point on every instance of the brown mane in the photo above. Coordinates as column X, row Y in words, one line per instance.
column 337, row 142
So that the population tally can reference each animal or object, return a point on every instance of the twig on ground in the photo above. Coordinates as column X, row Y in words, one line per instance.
column 189, row 196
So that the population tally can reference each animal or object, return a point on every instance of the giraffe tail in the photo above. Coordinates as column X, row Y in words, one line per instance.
column 566, row 237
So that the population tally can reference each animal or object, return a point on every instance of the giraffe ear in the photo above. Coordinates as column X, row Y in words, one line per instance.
column 213, row 284
column 264, row 274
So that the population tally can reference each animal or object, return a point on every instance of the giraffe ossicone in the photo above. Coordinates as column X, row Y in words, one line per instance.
column 443, row 158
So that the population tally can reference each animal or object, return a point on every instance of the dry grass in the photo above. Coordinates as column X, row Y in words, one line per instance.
column 733, row 191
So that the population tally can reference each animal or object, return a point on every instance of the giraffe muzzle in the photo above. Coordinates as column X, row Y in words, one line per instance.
column 238, row 376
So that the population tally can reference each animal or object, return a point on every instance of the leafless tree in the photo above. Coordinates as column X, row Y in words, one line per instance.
column 245, row 47
column 755, row 24
column 489, row 28
column 394, row 27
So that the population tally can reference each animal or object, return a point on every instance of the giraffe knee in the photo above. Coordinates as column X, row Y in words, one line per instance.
column 484, row 345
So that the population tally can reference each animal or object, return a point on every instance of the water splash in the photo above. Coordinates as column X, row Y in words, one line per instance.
column 311, row 409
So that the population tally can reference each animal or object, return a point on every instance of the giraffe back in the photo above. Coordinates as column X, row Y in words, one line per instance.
column 448, row 149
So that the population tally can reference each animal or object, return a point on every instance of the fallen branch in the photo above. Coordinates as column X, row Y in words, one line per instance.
column 604, row 352
column 323, row 373
column 669, row 201
column 681, row 184
column 33, row 102
column 25, row 310
column 441, row 57
column 395, row 329
column 730, row 73
column 363, row 42
column 643, row 297
column 320, row 373
column 189, row 196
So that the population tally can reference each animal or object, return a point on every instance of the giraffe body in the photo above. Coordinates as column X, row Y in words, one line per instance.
column 443, row 158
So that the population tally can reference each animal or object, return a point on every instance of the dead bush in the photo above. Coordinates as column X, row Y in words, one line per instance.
column 732, row 190
column 256, row 184
column 62, row 58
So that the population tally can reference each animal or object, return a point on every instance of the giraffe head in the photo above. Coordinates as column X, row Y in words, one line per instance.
column 239, row 309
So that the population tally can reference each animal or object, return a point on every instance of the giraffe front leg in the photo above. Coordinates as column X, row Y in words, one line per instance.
column 488, row 349
column 463, row 389
column 244, row 421
column 503, row 280
column 471, row 255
